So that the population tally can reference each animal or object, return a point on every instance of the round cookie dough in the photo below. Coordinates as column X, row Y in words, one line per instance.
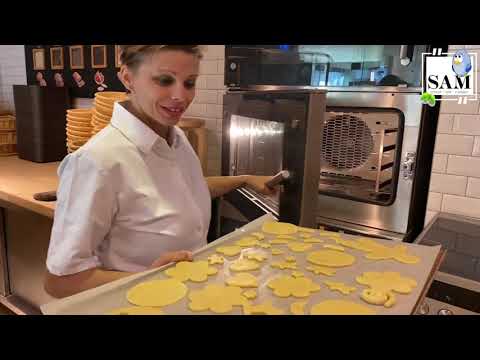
column 299, row 247
column 330, row 258
column 157, row 293
column 279, row 228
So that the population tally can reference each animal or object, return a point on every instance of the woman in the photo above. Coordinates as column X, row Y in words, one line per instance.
column 134, row 197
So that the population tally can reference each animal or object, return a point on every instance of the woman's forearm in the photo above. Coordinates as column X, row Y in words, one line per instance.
column 67, row 285
column 220, row 185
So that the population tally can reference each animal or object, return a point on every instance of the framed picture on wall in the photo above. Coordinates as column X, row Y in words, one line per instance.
column 99, row 56
column 118, row 63
column 76, row 57
column 56, row 58
column 38, row 59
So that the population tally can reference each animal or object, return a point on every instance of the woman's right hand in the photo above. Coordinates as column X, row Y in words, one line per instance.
column 174, row 256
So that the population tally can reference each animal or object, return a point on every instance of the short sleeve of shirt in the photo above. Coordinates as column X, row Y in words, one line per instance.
column 84, row 212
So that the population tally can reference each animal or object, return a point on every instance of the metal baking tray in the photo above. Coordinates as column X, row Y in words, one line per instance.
column 113, row 295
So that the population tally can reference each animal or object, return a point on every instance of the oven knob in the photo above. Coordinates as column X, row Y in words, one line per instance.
column 445, row 312
column 233, row 66
column 424, row 309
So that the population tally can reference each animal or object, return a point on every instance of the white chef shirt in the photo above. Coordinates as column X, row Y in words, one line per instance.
column 125, row 198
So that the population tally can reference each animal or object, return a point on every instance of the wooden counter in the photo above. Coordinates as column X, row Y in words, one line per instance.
column 20, row 180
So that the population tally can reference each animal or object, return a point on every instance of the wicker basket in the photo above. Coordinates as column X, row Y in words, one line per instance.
column 8, row 142
column 7, row 122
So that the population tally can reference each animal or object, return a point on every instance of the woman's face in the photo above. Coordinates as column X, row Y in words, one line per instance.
column 163, row 86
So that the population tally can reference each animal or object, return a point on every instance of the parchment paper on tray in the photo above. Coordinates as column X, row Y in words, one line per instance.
column 113, row 295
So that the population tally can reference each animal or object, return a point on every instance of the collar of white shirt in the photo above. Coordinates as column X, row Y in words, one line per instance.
column 140, row 134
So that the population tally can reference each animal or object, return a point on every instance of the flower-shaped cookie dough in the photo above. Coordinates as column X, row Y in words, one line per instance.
column 243, row 280
column 282, row 265
column 196, row 271
column 229, row 250
column 387, row 281
column 248, row 241
column 316, row 269
column 215, row 259
column 262, row 309
column 279, row 228
column 286, row 286
column 382, row 286
column 244, row 265
column 217, row 298
column 299, row 247
column 256, row 256
column 398, row 253
column 340, row 287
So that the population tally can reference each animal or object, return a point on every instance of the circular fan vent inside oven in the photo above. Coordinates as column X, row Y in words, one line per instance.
column 347, row 142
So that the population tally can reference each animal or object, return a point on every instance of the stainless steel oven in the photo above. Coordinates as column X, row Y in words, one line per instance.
column 376, row 141
column 265, row 132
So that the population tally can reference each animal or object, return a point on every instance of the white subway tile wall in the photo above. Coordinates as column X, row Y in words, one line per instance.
column 455, row 181
column 12, row 72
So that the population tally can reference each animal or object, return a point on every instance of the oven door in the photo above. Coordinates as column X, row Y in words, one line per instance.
column 392, row 216
column 264, row 132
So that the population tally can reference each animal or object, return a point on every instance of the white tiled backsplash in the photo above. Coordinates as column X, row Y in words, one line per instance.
column 455, row 182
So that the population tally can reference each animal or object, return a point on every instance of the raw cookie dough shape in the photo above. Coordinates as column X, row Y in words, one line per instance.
column 250, row 294
column 278, row 241
column 256, row 256
column 265, row 308
column 277, row 252
column 398, row 253
column 197, row 271
column 243, row 280
column 265, row 245
column 334, row 247
column 157, row 293
column 284, row 265
column 316, row 269
column 229, row 250
column 286, row 286
column 217, row 298
column 331, row 258
column 313, row 241
column 382, row 286
column 297, row 274
column 340, row 307
column 244, row 265
column 340, row 287
column 216, row 259
column 137, row 310
column 258, row 235
column 299, row 247
column 248, row 241
column 279, row 228
column 290, row 258
column 387, row 281
column 298, row 308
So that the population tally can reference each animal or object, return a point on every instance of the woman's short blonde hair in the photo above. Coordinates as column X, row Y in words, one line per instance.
column 133, row 55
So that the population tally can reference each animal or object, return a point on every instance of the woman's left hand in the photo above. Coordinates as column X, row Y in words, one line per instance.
column 257, row 183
